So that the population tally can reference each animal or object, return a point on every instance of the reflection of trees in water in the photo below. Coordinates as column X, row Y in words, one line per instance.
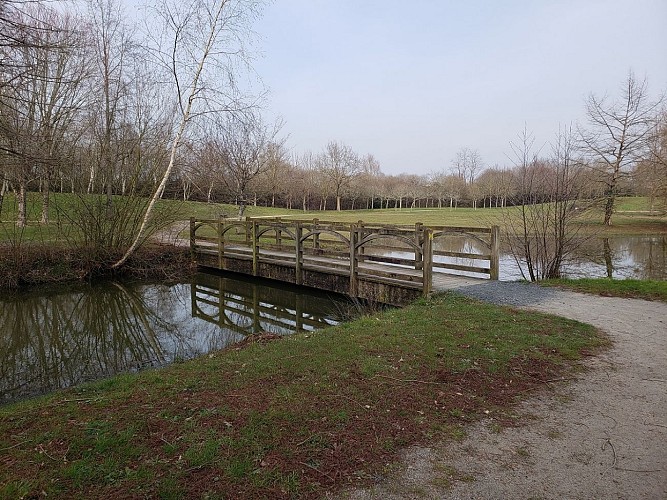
column 61, row 339
column 650, row 256
column 459, row 244
column 642, row 257
column 608, row 257
column 70, row 335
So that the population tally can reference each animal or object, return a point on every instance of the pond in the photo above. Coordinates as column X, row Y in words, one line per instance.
column 61, row 336
column 621, row 256
column 640, row 257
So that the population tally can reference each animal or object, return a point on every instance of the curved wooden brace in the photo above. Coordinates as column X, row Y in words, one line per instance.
column 327, row 231
column 463, row 233
column 200, row 224
column 271, row 228
column 377, row 236
column 227, row 227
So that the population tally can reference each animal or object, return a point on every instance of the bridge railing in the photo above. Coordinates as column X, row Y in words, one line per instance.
column 402, row 255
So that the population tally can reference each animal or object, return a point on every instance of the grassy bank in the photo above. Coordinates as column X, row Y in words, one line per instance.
column 290, row 418
column 31, row 265
column 628, row 288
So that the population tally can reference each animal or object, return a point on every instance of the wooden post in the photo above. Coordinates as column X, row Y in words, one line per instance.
column 221, row 244
column 427, row 256
column 362, row 235
column 193, row 242
column 354, row 283
column 419, row 236
column 316, row 236
column 279, row 233
column 495, row 253
column 255, row 249
column 248, row 230
column 299, row 254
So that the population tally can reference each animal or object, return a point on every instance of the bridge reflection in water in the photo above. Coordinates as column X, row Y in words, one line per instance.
column 62, row 336
column 250, row 306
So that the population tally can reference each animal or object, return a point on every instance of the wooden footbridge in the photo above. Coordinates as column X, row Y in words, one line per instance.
column 388, row 263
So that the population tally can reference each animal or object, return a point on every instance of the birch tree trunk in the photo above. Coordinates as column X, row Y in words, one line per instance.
column 186, row 113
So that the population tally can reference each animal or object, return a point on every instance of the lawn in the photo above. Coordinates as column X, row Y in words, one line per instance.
column 295, row 417
column 631, row 218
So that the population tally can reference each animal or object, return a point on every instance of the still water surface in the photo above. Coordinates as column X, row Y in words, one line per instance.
column 61, row 336
column 641, row 257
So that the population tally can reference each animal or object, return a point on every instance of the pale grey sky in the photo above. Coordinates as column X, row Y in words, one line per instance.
column 412, row 82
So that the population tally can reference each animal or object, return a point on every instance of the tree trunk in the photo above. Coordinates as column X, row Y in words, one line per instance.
column 91, row 179
column 3, row 190
column 45, row 200
column 609, row 208
column 208, row 193
column 21, row 218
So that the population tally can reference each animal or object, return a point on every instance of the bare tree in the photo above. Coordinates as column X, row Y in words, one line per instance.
column 618, row 136
column 246, row 147
column 467, row 163
column 541, row 225
column 112, row 44
column 339, row 165
column 307, row 183
column 657, row 161
column 200, row 45
column 276, row 178
column 41, row 97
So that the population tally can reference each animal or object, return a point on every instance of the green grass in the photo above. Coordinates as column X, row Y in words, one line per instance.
column 292, row 418
column 638, row 204
column 629, row 288
column 631, row 216
column 591, row 222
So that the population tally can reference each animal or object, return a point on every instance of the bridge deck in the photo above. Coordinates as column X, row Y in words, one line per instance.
column 441, row 281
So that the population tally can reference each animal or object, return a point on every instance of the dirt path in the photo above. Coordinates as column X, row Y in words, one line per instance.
column 603, row 435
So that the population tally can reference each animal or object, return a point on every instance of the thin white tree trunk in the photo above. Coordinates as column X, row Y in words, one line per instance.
column 194, row 89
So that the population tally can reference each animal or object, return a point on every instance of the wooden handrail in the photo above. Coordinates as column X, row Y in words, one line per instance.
column 287, row 242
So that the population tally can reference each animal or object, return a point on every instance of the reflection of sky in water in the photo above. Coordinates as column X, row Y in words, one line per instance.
column 181, row 336
column 78, row 333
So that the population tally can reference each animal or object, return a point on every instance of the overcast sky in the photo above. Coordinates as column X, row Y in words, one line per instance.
column 414, row 81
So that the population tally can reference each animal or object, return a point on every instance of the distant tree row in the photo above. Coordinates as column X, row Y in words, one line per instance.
column 84, row 109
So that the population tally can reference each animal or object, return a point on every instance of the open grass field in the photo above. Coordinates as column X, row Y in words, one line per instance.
column 288, row 418
column 633, row 216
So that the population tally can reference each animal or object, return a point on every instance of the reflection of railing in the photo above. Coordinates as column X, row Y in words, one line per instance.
column 359, row 252
column 248, row 308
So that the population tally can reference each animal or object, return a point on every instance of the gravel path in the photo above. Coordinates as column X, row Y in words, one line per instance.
column 603, row 435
